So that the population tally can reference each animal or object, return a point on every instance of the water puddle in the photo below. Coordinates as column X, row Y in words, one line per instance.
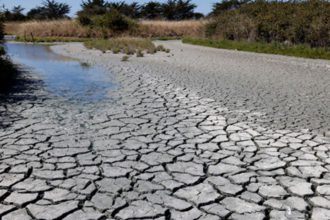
column 61, row 75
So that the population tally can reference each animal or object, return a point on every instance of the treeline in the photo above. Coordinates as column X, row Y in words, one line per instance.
column 289, row 22
column 52, row 10
column 170, row 10
column 48, row 10
column 120, row 16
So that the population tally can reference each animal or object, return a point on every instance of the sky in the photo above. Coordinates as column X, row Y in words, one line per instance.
column 204, row 6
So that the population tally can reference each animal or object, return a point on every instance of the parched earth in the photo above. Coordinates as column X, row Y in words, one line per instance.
column 153, row 151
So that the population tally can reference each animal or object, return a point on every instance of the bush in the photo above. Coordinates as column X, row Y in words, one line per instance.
column 84, row 19
column 232, row 26
column 293, row 22
column 114, row 21
column 125, row 58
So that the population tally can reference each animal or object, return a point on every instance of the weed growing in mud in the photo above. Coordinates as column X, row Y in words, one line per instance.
column 162, row 49
column 125, row 58
column 116, row 50
column 139, row 53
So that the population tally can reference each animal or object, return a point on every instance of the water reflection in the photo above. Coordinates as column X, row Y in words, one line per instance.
column 63, row 76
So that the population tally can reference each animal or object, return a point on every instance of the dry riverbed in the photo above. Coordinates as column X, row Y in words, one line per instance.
column 181, row 137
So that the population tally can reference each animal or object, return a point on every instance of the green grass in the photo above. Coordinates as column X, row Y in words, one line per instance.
column 166, row 38
column 50, row 39
column 125, row 45
column 269, row 48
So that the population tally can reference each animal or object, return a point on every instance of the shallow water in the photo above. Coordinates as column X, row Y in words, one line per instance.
column 62, row 76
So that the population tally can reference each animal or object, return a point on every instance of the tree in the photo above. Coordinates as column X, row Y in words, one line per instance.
column 50, row 9
column 178, row 9
column 93, row 7
column 226, row 5
column 132, row 10
column 151, row 10
column 17, row 14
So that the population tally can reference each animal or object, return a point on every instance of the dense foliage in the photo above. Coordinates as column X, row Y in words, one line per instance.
column 99, row 14
column 290, row 22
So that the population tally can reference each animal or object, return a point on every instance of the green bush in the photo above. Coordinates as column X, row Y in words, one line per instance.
column 232, row 26
column 84, row 19
column 290, row 22
column 110, row 21
column 114, row 21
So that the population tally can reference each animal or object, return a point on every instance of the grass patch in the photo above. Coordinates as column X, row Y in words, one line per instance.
column 269, row 48
column 167, row 38
column 125, row 58
column 129, row 46
column 49, row 39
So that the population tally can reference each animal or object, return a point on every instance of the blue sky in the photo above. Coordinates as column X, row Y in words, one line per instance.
column 204, row 6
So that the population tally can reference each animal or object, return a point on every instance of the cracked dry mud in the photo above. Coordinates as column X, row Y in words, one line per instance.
column 153, row 151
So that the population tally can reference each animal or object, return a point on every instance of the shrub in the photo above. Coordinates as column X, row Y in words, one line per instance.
column 293, row 22
column 125, row 58
column 232, row 26
column 84, row 19
column 139, row 53
column 114, row 21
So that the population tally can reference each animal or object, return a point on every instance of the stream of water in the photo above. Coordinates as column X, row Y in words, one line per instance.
column 62, row 76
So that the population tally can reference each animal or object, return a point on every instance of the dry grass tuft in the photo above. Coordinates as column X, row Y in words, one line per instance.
column 60, row 28
column 173, row 28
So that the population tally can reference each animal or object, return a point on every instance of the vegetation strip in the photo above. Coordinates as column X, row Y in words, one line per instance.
column 269, row 48
column 129, row 46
